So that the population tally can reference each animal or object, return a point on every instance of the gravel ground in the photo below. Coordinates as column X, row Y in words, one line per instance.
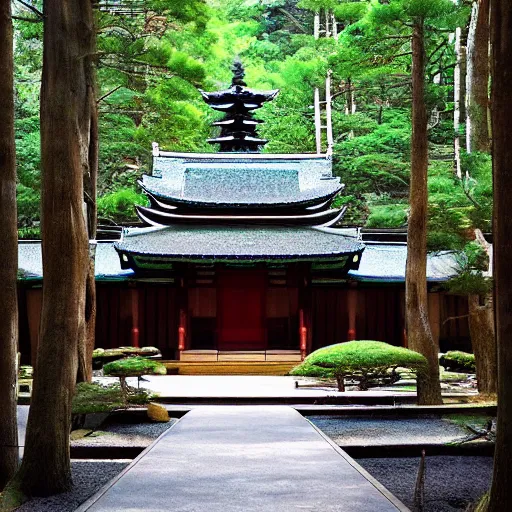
column 451, row 483
column 387, row 431
column 88, row 477
column 124, row 434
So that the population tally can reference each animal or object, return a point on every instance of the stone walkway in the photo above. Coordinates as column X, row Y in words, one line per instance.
column 244, row 458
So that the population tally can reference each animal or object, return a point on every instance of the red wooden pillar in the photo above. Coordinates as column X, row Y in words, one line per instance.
column 352, row 312
column 135, row 333
column 305, row 305
column 182, row 324
column 303, row 334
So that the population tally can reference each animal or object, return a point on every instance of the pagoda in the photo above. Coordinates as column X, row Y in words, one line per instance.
column 240, row 237
column 238, row 127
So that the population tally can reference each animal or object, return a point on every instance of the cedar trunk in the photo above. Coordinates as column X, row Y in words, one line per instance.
column 8, row 255
column 481, row 328
column 65, row 135
column 90, row 176
column 478, row 100
column 501, row 42
column 419, row 333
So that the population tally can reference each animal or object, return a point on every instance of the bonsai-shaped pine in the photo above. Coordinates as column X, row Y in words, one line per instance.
column 132, row 367
column 367, row 362
column 458, row 361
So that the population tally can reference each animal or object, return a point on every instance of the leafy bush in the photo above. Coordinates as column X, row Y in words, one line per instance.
column 92, row 397
column 388, row 216
column 134, row 367
column 364, row 361
column 458, row 361
column 119, row 206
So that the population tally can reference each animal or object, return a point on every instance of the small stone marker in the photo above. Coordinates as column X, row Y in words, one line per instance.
column 157, row 412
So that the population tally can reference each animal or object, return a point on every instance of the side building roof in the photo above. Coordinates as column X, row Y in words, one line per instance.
column 381, row 263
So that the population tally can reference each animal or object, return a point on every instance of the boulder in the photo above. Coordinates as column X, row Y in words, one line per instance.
column 157, row 412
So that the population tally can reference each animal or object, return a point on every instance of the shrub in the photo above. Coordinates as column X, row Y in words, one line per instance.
column 457, row 361
column 367, row 362
column 101, row 356
column 132, row 367
column 93, row 397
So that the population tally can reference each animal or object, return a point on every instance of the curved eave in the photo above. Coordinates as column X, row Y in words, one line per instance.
column 242, row 139
column 246, row 122
column 172, row 202
column 244, row 94
column 158, row 218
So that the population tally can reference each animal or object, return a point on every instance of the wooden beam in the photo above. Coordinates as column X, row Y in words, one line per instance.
column 318, row 123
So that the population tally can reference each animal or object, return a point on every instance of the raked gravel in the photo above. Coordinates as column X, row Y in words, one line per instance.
column 88, row 477
column 451, row 483
column 352, row 431
column 124, row 434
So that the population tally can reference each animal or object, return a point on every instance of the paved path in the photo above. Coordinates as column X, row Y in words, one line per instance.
column 243, row 386
column 243, row 458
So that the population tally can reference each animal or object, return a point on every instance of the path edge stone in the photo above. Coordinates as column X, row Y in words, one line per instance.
column 86, row 505
column 383, row 490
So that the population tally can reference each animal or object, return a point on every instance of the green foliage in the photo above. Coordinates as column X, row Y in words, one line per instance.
column 119, row 206
column 361, row 360
column 388, row 216
column 149, row 72
column 94, row 398
column 134, row 366
column 472, row 278
column 458, row 361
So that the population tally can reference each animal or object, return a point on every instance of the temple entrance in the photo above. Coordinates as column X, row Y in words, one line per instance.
column 241, row 311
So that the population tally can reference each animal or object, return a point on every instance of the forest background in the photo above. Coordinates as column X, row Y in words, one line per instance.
column 151, row 64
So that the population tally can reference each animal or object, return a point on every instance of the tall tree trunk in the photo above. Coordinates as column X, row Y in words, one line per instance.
column 501, row 44
column 478, row 79
column 481, row 328
column 90, row 175
column 418, row 327
column 8, row 255
column 65, row 134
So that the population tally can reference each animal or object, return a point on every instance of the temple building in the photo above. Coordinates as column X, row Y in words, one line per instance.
column 242, row 235
column 242, row 259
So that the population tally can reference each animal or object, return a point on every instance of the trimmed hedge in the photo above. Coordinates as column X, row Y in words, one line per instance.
column 457, row 361
column 367, row 362
column 134, row 367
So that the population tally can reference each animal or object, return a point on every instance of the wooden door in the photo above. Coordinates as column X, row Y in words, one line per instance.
column 241, row 310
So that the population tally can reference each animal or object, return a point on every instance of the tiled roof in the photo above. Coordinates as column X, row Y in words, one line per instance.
column 196, row 242
column 384, row 263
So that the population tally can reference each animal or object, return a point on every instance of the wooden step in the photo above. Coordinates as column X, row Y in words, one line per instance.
column 231, row 367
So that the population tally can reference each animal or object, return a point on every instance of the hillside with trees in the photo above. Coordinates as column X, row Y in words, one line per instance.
column 153, row 57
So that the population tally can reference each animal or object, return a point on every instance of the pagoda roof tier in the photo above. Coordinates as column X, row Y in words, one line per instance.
column 237, row 120
column 241, row 180
column 154, row 217
column 241, row 138
column 238, row 95
column 226, row 194
column 158, row 249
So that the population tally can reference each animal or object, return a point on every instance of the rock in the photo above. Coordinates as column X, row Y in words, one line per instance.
column 157, row 412
column 79, row 434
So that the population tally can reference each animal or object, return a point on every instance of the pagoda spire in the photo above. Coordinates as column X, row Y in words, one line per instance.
column 238, row 126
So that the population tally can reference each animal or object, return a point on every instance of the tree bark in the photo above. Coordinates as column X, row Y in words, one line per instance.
column 478, row 79
column 418, row 327
column 8, row 255
column 481, row 328
column 501, row 43
column 90, row 176
column 65, row 133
